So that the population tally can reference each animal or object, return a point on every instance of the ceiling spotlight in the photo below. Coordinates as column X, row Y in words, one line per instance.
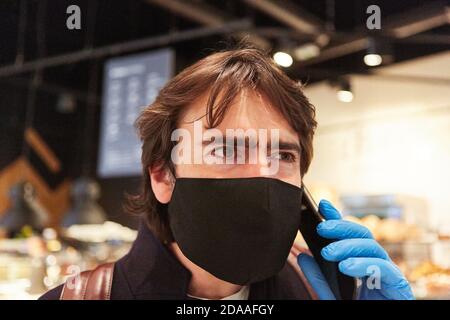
column 344, row 93
column 283, row 59
column 373, row 59
column 378, row 52
column 66, row 103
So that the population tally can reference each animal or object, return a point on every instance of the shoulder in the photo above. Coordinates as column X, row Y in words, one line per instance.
column 100, row 277
column 53, row 294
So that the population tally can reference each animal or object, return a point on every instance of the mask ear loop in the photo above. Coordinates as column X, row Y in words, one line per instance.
column 172, row 178
column 172, row 173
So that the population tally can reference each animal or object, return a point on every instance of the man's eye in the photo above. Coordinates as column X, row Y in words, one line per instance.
column 223, row 152
column 284, row 156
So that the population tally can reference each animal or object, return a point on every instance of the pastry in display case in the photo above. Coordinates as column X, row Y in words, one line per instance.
column 36, row 262
column 401, row 227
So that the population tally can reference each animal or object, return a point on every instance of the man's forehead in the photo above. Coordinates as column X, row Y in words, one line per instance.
column 248, row 110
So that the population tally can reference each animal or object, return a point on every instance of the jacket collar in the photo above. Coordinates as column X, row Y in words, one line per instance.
column 153, row 272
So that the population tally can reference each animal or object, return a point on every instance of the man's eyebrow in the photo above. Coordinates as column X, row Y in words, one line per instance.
column 293, row 146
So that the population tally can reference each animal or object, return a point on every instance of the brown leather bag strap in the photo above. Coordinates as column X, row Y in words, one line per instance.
column 90, row 285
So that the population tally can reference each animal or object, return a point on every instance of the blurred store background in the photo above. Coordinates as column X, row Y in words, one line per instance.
column 69, row 96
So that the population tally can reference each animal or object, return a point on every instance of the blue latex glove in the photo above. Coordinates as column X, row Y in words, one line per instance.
column 359, row 255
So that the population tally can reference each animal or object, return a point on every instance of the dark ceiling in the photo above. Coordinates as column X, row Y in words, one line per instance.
column 108, row 22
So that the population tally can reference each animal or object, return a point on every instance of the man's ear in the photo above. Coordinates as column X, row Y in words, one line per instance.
column 162, row 183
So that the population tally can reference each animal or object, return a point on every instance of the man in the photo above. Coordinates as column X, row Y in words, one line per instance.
column 225, row 147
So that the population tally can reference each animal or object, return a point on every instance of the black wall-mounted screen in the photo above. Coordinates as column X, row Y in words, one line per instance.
column 130, row 84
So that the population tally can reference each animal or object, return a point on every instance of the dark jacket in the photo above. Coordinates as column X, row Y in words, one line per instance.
column 151, row 271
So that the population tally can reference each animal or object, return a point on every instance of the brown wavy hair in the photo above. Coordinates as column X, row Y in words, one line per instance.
column 224, row 74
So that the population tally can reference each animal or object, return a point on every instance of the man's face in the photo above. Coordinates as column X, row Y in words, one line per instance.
column 249, row 111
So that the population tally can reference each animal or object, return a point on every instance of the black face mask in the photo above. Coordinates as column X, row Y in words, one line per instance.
column 240, row 230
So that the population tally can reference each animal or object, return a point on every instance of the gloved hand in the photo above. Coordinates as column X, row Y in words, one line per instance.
column 359, row 255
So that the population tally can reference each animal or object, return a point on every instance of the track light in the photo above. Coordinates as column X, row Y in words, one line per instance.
column 344, row 92
column 378, row 52
column 84, row 209
column 372, row 59
column 25, row 210
column 283, row 59
column 66, row 103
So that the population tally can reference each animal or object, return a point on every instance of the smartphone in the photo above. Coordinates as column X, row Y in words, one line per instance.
column 343, row 286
